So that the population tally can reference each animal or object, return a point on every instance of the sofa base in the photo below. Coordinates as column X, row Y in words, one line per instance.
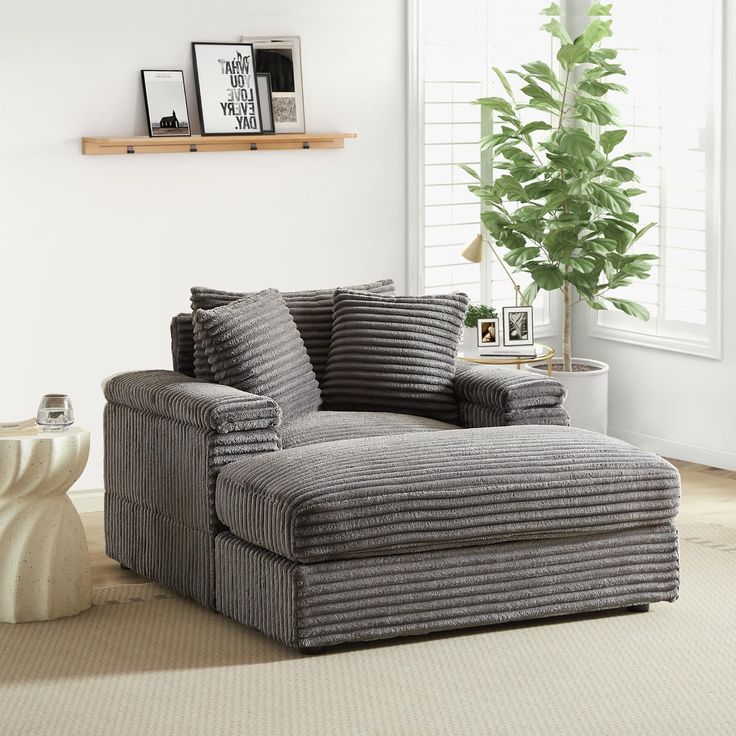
column 171, row 553
column 327, row 603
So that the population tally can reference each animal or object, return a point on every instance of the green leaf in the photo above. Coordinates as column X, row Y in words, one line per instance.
column 504, row 82
column 609, row 197
column 536, row 92
column 629, row 156
column 596, row 304
column 557, row 30
column 639, row 235
column 547, row 276
column 579, row 264
column 529, row 294
column 575, row 142
column 631, row 308
column 553, row 9
column 596, row 31
column 494, row 222
column 620, row 173
column 597, row 9
column 594, row 110
column 542, row 71
column 470, row 171
column 571, row 54
column 536, row 125
column 498, row 104
column 610, row 139
column 520, row 256
column 634, row 191
column 509, row 187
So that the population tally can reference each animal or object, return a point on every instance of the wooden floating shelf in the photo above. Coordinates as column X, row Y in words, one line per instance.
column 207, row 143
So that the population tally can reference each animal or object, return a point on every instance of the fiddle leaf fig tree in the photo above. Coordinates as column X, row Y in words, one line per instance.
column 560, row 202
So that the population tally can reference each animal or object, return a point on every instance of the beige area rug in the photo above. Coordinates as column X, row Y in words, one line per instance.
column 142, row 661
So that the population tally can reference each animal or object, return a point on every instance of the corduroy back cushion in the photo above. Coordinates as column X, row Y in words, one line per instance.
column 311, row 310
column 394, row 353
column 252, row 344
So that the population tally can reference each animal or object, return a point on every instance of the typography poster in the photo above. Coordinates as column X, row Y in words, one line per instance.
column 227, row 88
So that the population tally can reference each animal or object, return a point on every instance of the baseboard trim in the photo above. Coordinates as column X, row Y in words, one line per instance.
column 86, row 501
column 679, row 450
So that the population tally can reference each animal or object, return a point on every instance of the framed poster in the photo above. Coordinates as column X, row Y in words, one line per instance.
column 166, row 102
column 518, row 326
column 227, row 88
column 282, row 59
column 264, row 98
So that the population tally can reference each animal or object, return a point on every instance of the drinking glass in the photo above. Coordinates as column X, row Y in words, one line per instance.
column 55, row 412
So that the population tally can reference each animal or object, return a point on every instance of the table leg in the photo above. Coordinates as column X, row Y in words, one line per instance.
column 549, row 367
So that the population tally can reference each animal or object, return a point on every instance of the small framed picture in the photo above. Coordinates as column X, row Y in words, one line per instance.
column 227, row 88
column 488, row 333
column 264, row 99
column 166, row 102
column 281, row 58
column 518, row 327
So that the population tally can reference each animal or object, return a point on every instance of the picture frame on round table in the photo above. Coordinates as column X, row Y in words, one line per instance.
column 518, row 326
column 488, row 333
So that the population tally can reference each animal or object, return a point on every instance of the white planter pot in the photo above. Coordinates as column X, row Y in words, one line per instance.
column 587, row 393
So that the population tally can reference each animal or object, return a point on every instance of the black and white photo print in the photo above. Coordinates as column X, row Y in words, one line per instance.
column 227, row 88
column 518, row 326
column 166, row 102
column 281, row 58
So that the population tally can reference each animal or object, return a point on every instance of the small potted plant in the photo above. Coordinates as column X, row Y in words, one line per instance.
column 470, row 332
column 560, row 203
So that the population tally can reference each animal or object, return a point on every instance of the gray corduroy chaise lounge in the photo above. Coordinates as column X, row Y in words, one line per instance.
column 341, row 526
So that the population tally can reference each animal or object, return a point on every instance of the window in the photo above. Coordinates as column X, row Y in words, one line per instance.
column 457, row 43
column 672, row 56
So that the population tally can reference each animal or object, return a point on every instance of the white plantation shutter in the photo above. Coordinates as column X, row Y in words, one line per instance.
column 458, row 43
column 453, row 72
column 671, row 52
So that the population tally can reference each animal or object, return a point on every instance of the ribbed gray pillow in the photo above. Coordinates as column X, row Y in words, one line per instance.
column 252, row 344
column 311, row 310
column 182, row 343
column 394, row 353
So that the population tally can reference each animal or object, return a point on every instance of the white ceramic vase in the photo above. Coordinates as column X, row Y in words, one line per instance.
column 470, row 340
column 587, row 393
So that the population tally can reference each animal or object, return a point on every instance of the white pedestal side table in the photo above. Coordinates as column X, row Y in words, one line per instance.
column 44, row 561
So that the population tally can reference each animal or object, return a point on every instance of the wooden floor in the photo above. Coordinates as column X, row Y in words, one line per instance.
column 708, row 494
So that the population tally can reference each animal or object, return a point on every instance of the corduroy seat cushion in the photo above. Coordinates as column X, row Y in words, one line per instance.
column 328, row 426
column 444, row 489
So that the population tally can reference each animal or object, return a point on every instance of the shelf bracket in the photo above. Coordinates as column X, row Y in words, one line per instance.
column 305, row 145
column 253, row 146
column 130, row 149
column 193, row 148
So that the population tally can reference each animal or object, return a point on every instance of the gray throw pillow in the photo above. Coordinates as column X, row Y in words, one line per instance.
column 311, row 310
column 252, row 344
column 394, row 353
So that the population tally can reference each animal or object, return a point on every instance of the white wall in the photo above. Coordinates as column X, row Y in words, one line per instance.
column 679, row 405
column 96, row 253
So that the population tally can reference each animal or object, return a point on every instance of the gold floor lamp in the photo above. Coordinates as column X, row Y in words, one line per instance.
column 474, row 253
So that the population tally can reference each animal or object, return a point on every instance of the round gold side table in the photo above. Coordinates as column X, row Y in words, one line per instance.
column 518, row 361
column 44, row 563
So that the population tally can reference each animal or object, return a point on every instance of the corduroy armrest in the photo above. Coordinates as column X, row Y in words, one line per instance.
column 489, row 396
column 196, row 403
